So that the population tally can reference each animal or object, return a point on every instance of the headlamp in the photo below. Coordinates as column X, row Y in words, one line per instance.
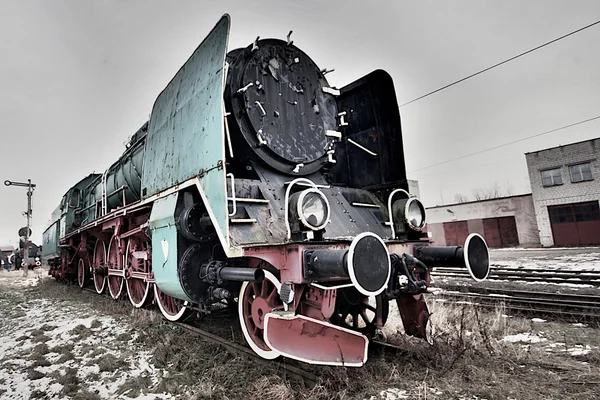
column 410, row 212
column 311, row 208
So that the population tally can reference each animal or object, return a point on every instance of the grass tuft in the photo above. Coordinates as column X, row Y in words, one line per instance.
column 70, row 382
column 95, row 324
column 34, row 375
column 134, row 386
column 110, row 363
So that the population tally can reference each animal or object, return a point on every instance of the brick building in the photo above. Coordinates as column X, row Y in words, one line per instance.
column 503, row 222
column 565, row 185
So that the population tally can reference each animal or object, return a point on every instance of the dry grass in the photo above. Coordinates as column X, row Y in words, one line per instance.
column 95, row 324
column 34, row 374
column 272, row 388
column 110, row 363
column 38, row 394
column 85, row 395
column 63, row 348
column 68, row 356
column 134, row 386
column 467, row 358
column 70, row 382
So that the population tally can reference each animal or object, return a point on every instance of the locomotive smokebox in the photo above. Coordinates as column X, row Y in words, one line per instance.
column 366, row 263
column 474, row 256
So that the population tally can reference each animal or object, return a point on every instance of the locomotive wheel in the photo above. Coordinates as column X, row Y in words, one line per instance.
column 256, row 299
column 115, row 261
column 83, row 273
column 98, row 262
column 171, row 308
column 358, row 312
column 138, row 290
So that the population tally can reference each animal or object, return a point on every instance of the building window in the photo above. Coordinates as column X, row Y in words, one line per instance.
column 581, row 172
column 551, row 177
column 587, row 211
column 561, row 214
column 578, row 212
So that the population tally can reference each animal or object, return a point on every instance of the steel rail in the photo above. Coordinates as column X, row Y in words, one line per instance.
column 583, row 278
column 529, row 301
column 235, row 348
column 238, row 349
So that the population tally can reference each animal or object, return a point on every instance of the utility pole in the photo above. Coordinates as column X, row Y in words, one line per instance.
column 30, row 186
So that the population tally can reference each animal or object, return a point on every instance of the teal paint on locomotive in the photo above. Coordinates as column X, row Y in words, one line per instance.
column 50, row 249
column 126, row 172
column 186, row 135
column 164, row 246
column 66, row 217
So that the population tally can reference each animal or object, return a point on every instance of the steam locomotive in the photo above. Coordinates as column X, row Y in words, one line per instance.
column 256, row 182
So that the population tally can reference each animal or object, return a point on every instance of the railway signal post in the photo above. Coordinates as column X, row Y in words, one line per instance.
column 30, row 186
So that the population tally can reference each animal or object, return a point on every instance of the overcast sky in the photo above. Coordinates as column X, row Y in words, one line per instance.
column 78, row 77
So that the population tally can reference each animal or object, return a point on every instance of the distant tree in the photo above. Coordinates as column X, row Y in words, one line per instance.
column 491, row 192
column 461, row 198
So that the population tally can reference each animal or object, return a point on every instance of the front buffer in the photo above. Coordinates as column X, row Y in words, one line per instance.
column 302, row 321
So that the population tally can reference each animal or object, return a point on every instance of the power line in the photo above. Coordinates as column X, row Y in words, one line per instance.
column 500, row 63
column 507, row 144
column 472, row 167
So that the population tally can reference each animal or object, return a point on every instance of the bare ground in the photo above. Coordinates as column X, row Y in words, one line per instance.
column 60, row 342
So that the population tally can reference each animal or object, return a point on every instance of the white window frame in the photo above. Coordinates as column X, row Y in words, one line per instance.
column 554, row 183
column 577, row 168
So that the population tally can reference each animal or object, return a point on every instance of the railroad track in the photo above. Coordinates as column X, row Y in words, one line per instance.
column 579, row 277
column 582, row 307
column 307, row 377
column 292, row 371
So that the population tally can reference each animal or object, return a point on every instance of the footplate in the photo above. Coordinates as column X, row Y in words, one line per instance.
column 315, row 342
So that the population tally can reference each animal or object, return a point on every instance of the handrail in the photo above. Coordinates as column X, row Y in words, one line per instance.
column 391, row 221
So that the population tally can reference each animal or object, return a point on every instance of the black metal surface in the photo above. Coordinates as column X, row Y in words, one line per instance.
column 193, row 225
column 351, row 311
column 324, row 264
column 373, row 122
column 454, row 257
column 370, row 263
column 441, row 256
column 240, row 274
column 188, row 268
column 478, row 256
column 284, row 114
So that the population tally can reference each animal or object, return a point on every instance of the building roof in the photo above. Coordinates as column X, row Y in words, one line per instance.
column 480, row 201
column 563, row 145
column 7, row 248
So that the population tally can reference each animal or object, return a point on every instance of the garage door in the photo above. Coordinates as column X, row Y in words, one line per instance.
column 456, row 233
column 500, row 232
column 575, row 224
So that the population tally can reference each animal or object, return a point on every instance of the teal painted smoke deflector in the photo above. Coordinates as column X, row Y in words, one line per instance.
column 164, row 246
column 186, row 134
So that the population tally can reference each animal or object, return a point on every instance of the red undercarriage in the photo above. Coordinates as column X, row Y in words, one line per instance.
column 121, row 257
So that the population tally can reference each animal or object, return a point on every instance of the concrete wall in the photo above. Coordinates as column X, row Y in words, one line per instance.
column 413, row 188
column 521, row 207
column 567, row 193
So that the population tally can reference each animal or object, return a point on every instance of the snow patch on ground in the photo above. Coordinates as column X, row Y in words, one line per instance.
column 50, row 340
column 523, row 338
column 391, row 394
